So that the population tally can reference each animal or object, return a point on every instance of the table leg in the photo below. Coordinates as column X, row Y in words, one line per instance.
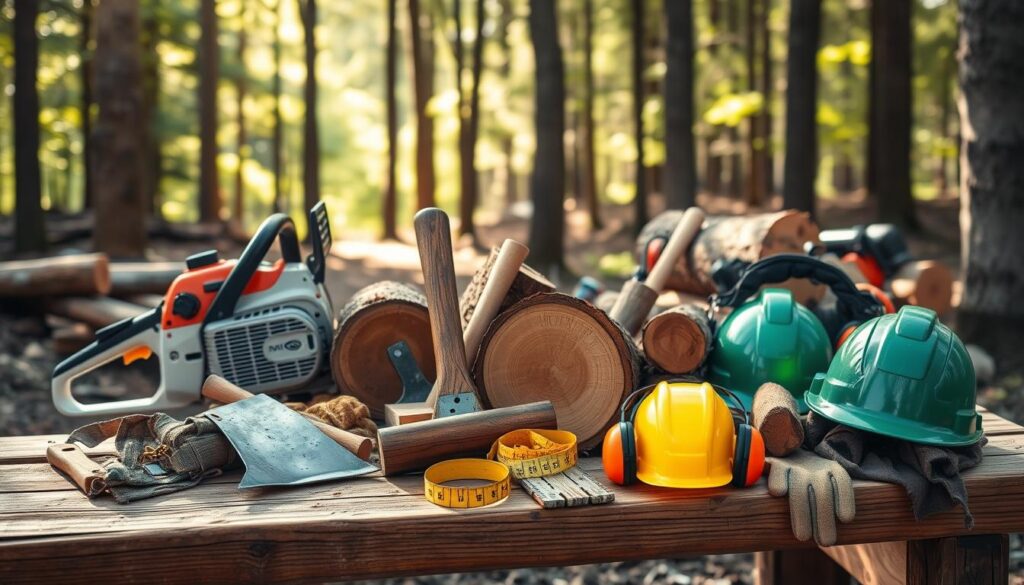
column 804, row 565
column 959, row 560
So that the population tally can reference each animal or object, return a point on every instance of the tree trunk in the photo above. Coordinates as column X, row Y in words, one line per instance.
column 277, row 157
column 768, row 90
column 588, row 173
column 421, row 31
column 891, row 103
column 241, row 89
column 120, row 209
column 801, row 164
column 547, row 185
column 390, row 206
column 640, row 201
column 756, row 139
column 469, row 129
column 85, row 103
column 310, row 129
column 992, row 119
column 29, row 227
column 151, row 158
column 209, row 76
column 680, row 162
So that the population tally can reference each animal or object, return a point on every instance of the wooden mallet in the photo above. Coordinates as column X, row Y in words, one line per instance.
column 636, row 299
column 506, row 266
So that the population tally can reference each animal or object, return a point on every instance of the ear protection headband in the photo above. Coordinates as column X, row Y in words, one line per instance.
column 746, row 469
column 853, row 306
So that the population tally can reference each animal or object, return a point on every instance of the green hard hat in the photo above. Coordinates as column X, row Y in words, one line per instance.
column 770, row 338
column 905, row 376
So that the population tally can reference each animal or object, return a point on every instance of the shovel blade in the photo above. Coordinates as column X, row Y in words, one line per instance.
column 280, row 447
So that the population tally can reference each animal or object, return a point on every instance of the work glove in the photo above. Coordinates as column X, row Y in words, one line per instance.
column 819, row 491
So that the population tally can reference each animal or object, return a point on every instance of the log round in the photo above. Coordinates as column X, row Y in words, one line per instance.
column 61, row 276
column 925, row 283
column 552, row 346
column 378, row 316
column 678, row 340
column 527, row 282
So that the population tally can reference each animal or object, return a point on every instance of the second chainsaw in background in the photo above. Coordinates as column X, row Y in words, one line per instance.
column 265, row 327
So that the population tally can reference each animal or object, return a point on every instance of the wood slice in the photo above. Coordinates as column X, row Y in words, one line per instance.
column 528, row 282
column 678, row 340
column 76, row 275
column 747, row 238
column 376, row 317
column 552, row 346
column 924, row 283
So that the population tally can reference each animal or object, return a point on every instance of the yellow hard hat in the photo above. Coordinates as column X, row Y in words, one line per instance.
column 688, row 436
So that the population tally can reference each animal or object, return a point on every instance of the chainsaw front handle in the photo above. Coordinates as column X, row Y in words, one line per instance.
column 279, row 224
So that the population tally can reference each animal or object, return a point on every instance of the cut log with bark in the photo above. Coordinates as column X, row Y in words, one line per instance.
column 925, row 283
column 80, row 274
column 95, row 311
column 678, row 340
column 378, row 316
column 142, row 278
column 552, row 346
column 724, row 238
column 527, row 282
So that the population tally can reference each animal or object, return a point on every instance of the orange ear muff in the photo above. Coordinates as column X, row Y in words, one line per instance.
column 868, row 266
column 880, row 295
column 847, row 332
column 755, row 460
column 654, row 248
column 612, row 455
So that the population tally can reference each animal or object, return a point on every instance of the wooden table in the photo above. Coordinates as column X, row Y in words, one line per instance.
column 375, row 527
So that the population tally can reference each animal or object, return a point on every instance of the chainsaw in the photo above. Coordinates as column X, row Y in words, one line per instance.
column 266, row 327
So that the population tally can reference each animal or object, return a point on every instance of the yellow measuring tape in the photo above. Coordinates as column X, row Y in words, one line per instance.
column 520, row 454
column 535, row 452
column 466, row 497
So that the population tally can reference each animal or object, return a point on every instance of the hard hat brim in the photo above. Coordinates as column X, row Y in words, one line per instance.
column 889, row 425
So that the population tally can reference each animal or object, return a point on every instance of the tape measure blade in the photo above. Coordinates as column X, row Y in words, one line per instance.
column 573, row 495
column 597, row 492
column 540, row 490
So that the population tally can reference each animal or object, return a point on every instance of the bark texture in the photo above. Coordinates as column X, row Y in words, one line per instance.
column 29, row 228
column 801, row 163
column 209, row 76
column 680, row 159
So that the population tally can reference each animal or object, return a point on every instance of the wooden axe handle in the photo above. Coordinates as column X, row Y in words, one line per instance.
column 686, row 230
column 506, row 266
column 70, row 459
column 220, row 390
column 434, row 240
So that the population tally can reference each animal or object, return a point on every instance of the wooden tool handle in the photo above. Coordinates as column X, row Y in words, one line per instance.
column 686, row 230
column 86, row 473
column 434, row 240
column 506, row 266
column 421, row 444
column 220, row 390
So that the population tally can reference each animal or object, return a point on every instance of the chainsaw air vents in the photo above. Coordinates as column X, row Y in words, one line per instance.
column 272, row 350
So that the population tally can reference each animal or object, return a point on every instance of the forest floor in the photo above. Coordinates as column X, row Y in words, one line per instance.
column 27, row 356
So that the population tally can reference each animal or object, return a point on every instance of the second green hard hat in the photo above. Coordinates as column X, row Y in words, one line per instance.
column 906, row 376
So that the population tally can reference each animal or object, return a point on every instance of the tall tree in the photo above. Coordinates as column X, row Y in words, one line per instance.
column 507, row 145
column 680, row 159
column 153, row 155
column 310, row 128
column 422, row 53
column 277, row 140
column 209, row 77
column 85, row 97
column 757, row 137
column 120, row 207
column 469, row 120
column 640, row 201
column 242, row 138
column 801, row 162
column 390, row 207
column 588, row 171
column 890, row 121
column 992, row 122
column 547, row 184
column 29, row 227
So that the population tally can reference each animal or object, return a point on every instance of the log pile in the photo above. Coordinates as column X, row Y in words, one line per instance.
column 84, row 292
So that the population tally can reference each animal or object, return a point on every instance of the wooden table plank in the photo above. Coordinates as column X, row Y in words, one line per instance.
column 375, row 526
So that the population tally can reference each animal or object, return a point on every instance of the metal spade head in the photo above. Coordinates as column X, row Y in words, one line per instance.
column 415, row 387
column 280, row 447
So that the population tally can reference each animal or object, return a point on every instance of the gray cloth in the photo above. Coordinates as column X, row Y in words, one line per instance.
column 929, row 474
column 157, row 454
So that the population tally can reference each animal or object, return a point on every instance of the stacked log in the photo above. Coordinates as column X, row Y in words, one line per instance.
column 79, row 274
column 528, row 282
column 677, row 341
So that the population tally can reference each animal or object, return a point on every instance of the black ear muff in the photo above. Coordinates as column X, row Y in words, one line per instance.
column 741, row 457
column 628, row 437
